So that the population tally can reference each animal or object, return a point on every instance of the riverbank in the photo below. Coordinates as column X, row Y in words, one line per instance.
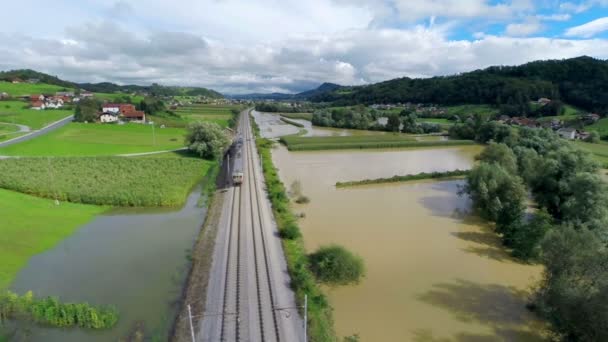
column 296, row 143
column 447, row 175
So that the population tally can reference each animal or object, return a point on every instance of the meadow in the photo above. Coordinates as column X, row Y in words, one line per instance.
column 31, row 225
column 116, row 181
column 17, row 112
column 297, row 143
column 220, row 114
column 599, row 151
column 80, row 139
column 601, row 127
column 20, row 89
column 119, row 97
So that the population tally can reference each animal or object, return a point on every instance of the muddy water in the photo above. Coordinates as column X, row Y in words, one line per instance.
column 434, row 272
column 133, row 259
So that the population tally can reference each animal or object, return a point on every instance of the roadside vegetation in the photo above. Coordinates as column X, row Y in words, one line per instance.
column 116, row 181
column 296, row 143
column 17, row 112
column 568, row 231
column 407, row 178
column 31, row 225
column 303, row 281
column 50, row 311
column 80, row 139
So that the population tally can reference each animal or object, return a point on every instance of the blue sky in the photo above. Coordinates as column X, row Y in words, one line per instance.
column 238, row 46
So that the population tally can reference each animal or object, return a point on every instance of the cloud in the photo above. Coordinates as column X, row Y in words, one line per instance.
column 523, row 29
column 555, row 17
column 589, row 29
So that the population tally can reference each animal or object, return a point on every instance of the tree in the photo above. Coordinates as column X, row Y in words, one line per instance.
column 336, row 265
column 500, row 154
column 86, row 110
column 526, row 237
column 594, row 137
column 585, row 201
column 498, row 195
column 207, row 139
column 393, row 123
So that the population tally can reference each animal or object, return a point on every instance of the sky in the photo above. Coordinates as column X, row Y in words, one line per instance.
column 244, row 46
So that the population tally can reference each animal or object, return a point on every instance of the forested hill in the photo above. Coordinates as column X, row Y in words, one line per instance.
column 581, row 81
column 107, row 87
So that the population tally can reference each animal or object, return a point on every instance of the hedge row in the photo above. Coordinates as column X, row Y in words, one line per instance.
column 417, row 176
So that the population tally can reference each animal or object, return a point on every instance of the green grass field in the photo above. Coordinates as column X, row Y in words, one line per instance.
column 79, row 139
column 471, row 109
column 599, row 151
column 220, row 114
column 118, row 97
column 118, row 181
column 20, row 89
column 31, row 225
column 17, row 112
column 6, row 128
column 601, row 127
column 297, row 143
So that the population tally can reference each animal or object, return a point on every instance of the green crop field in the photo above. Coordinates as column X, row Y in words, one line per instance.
column 220, row 114
column 599, row 151
column 80, row 139
column 17, row 112
column 118, row 181
column 20, row 89
column 31, row 225
column 297, row 143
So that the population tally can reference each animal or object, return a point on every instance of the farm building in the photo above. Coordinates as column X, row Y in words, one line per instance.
column 38, row 105
column 108, row 117
column 567, row 133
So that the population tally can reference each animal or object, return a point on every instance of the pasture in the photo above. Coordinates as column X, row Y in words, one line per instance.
column 599, row 151
column 18, row 112
column 116, row 181
column 119, row 97
column 31, row 225
column 297, row 143
column 20, row 89
column 80, row 139
column 220, row 114
column 601, row 127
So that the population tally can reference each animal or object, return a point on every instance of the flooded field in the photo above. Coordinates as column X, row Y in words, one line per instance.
column 434, row 272
column 133, row 259
column 271, row 126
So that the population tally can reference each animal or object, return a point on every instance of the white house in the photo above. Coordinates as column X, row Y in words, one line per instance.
column 567, row 133
column 111, row 108
column 108, row 117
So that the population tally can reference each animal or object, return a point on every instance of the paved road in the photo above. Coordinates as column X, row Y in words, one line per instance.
column 248, row 295
column 37, row 133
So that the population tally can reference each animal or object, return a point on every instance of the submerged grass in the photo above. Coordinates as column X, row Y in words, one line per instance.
column 117, row 181
column 406, row 178
column 291, row 122
column 320, row 320
column 301, row 116
column 50, row 311
column 295, row 143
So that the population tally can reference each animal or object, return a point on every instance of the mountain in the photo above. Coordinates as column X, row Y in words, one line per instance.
column 108, row 87
column 581, row 81
column 323, row 88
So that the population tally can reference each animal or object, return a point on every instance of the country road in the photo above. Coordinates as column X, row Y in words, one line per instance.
column 248, row 295
column 53, row 126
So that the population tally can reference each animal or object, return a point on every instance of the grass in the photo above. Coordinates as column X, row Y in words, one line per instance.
column 31, row 225
column 407, row 178
column 219, row 114
column 80, row 139
column 117, row 181
column 118, row 97
column 7, row 128
column 300, row 116
column 599, row 151
column 17, row 112
column 20, row 89
column 601, row 126
column 296, row 143
column 303, row 282
column 471, row 109
column 290, row 122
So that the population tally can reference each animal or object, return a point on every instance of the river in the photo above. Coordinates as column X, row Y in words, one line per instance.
column 133, row 259
column 434, row 271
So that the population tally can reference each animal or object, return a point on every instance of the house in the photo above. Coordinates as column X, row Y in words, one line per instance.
column 543, row 101
column 17, row 80
column 65, row 93
column 113, row 108
column 522, row 121
column 582, row 135
column 108, row 117
column 554, row 124
column 37, row 105
column 37, row 97
column 33, row 80
column 54, row 102
column 86, row 95
column 567, row 133
column 589, row 119
column 4, row 95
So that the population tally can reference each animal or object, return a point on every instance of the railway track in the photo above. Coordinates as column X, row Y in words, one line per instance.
column 249, row 300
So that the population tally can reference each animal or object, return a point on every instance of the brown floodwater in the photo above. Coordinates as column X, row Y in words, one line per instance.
column 434, row 272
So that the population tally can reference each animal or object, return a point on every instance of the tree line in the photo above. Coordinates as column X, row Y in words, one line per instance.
column 578, row 81
column 568, row 231
column 360, row 117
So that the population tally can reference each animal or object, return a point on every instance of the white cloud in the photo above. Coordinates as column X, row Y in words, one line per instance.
column 555, row 17
column 412, row 10
column 589, row 29
column 523, row 29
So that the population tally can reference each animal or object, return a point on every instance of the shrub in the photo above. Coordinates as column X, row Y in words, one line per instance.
column 207, row 139
column 290, row 231
column 336, row 265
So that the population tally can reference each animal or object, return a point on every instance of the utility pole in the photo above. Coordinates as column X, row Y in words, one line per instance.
column 191, row 328
column 305, row 318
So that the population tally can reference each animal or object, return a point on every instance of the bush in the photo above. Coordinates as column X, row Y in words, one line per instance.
column 290, row 231
column 302, row 200
column 207, row 139
column 336, row 265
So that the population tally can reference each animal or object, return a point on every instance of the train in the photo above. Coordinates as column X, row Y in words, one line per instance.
column 237, row 166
